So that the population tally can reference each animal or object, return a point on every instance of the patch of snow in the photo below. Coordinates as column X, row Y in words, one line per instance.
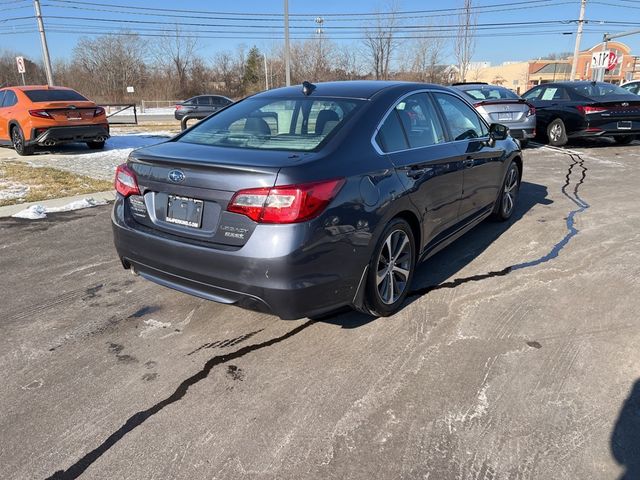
column 153, row 325
column 37, row 212
column 11, row 190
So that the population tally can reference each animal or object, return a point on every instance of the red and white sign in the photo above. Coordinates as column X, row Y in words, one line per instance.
column 606, row 59
column 20, row 63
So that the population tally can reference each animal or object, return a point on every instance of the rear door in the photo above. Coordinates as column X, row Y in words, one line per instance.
column 413, row 138
column 482, row 163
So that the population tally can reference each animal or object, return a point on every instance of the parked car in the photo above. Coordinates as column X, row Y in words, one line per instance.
column 633, row 87
column 497, row 104
column 568, row 110
column 48, row 116
column 302, row 200
column 201, row 106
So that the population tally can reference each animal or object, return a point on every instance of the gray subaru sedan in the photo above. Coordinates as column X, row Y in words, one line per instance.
column 302, row 200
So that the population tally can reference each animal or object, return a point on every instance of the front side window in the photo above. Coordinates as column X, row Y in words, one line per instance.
column 462, row 120
column 297, row 124
column 533, row 94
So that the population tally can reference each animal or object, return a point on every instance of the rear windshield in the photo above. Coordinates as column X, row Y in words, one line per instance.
column 299, row 124
column 54, row 96
column 599, row 90
column 489, row 92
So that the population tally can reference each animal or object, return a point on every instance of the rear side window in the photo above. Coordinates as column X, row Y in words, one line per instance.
column 555, row 93
column 391, row 137
column 420, row 121
column 54, row 96
column 10, row 99
column 462, row 120
column 290, row 124
column 203, row 101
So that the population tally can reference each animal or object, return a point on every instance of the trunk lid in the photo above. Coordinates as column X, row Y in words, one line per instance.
column 505, row 110
column 204, row 178
column 68, row 112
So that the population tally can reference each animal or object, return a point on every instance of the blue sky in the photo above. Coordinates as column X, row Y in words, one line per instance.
column 492, row 46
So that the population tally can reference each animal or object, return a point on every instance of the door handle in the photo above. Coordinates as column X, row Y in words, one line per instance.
column 468, row 162
column 418, row 172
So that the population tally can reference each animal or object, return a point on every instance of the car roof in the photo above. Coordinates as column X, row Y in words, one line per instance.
column 25, row 88
column 362, row 89
column 571, row 84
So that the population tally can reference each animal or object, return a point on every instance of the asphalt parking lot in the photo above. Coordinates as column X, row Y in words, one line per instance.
column 516, row 358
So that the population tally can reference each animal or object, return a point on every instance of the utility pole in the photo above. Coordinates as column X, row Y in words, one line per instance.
column 266, row 73
column 43, row 40
column 576, row 50
column 287, row 53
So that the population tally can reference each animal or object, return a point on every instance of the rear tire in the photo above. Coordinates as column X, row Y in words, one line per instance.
column 557, row 133
column 508, row 196
column 624, row 139
column 96, row 145
column 17, row 139
column 391, row 269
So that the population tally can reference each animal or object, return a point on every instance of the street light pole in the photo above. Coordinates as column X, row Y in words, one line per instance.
column 287, row 53
column 576, row 50
column 43, row 40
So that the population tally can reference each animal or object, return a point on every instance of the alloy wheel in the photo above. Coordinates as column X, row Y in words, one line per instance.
column 510, row 191
column 17, row 140
column 393, row 267
column 556, row 132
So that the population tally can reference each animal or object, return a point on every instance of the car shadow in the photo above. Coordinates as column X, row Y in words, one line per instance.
column 431, row 273
column 595, row 142
column 625, row 438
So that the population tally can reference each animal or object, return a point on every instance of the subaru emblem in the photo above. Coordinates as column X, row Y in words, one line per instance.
column 176, row 176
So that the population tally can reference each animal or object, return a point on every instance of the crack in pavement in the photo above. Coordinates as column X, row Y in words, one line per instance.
column 572, row 231
column 137, row 419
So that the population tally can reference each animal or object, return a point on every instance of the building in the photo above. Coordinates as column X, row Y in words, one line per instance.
column 521, row 76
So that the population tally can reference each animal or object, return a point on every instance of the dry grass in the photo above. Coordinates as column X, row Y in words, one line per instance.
column 46, row 183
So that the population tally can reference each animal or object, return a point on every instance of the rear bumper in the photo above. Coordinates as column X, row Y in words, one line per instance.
column 522, row 133
column 80, row 133
column 294, row 279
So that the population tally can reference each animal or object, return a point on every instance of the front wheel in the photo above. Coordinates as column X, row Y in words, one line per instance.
column 624, row 139
column 391, row 269
column 17, row 139
column 557, row 133
column 506, row 201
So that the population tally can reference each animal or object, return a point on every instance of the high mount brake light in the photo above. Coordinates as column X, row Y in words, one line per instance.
column 125, row 182
column 286, row 204
column 586, row 110
column 40, row 113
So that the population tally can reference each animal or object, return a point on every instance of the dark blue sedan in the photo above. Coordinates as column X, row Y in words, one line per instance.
column 302, row 200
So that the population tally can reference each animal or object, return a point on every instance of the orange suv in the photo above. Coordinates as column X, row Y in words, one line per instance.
column 48, row 116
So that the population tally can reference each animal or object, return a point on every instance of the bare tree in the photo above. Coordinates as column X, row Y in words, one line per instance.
column 465, row 43
column 103, row 67
column 424, row 57
column 176, row 52
column 380, row 42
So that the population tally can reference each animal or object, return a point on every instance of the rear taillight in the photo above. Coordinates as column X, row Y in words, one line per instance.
column 586, row 110
column 40, row 113
column 532, row 111
column 125, row 182
column 178, row 107
column 286, row 204
column 99, row 111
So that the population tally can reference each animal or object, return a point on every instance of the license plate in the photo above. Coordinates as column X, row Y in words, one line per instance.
column 505, row 117
column 74, row 116
column 625, row 125
column 184, row 211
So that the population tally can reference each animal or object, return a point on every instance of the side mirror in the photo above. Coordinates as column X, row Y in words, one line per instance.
column 498, row 132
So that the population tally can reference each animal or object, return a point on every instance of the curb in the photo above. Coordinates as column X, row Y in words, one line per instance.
column 9, row 210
